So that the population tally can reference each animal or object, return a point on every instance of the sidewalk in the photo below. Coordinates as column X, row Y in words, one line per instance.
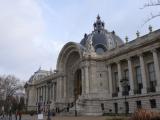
column 28, row 117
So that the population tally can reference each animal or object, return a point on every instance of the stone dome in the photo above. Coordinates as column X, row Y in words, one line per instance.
column 102, row 40
column 39, row 74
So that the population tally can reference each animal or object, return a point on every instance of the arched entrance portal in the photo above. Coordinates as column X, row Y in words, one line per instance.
column 78, row 83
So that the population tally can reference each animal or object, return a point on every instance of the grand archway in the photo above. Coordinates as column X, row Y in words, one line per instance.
column 77, row 83
column 68, row 64
column 72, row 74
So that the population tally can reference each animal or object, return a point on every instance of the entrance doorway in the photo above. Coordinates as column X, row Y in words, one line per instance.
column 78, row 83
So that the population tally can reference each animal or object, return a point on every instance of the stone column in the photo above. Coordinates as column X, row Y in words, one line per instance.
column 86, row 79
column 37, row 95
column 93, row 88
column 143, row 72
column 119, row 78
column 64, row 85
column 110, row 80
column 130, row 70
column 55, row 91
column 46, row 93
column 157, row 69
column 42, row 93
column 83, row 80
column 60, row 87
column 49, row 92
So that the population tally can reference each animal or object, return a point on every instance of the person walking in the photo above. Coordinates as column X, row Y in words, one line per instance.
column 20, row 115
column 10, row 115
column 16, row 115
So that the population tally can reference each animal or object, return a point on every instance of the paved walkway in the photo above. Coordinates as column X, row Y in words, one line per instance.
column 28, row 117
column 66, row 118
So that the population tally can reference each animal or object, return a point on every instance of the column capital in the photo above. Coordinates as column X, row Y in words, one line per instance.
column 140, row 54
column 85, row 64
column 107, row 64
column 128, row 58
column 154, row 50
column 118, row 62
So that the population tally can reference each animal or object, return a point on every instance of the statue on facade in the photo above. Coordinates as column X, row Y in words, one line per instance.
column 89, row 44
column 89, row 47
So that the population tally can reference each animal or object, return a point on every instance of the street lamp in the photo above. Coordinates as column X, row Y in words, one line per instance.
column 75, row 97
column 124, row 84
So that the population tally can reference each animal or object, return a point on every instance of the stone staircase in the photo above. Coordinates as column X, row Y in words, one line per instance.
column 78, row 108
column 84, row 106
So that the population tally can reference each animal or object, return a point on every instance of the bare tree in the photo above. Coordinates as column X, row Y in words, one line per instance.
column 9, row 85
column 152, row 3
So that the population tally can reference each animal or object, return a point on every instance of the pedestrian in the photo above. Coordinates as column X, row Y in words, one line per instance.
column 20, row 115
column 16, row 113
column 10, row 115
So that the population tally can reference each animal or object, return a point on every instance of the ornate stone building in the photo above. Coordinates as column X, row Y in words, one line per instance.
column 101, row 74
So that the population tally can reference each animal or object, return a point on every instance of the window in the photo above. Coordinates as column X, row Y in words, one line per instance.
column 151, row 72
column 152, row 78
column 100, row 49
column 139, row 105
column 102, row 106
column 138, row 80
column 116, row 81
column 100, row 75
column 138, row 75
column 153, row 103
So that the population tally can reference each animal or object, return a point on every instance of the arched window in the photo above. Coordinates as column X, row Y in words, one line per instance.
column 100, row 49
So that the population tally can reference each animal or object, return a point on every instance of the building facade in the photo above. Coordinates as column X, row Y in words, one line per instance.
column 102, row 74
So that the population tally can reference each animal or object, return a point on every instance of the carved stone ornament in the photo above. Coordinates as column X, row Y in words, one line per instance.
column 89, row 45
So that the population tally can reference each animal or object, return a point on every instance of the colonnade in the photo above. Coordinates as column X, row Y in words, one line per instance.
column 131, row 75
column 46, row 92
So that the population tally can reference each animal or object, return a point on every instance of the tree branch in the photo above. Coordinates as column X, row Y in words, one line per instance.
column 152, row 16
column 151, row 4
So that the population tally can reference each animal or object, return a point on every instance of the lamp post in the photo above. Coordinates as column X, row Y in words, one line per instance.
column 124, row 84
column 75, row 97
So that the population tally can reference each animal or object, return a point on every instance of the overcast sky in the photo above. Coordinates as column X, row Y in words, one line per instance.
column 32, row 32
